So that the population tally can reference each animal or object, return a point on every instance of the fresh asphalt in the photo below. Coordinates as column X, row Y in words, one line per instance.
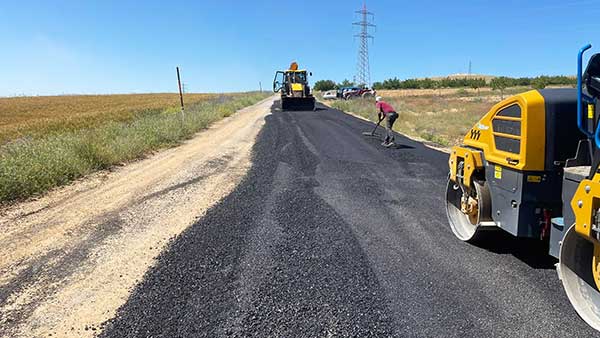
column 333, row 235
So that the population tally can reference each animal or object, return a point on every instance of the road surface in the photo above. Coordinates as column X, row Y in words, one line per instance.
column 329, row 234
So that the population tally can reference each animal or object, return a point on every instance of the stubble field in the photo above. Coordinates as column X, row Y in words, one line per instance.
column 47, row 142
column 32, row 116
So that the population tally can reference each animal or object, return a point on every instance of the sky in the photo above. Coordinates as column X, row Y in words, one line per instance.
column 102, row 47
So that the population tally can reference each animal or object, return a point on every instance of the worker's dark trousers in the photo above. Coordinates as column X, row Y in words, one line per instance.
column 391, row 118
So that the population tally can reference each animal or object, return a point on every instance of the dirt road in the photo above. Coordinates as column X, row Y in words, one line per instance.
column 70, row 259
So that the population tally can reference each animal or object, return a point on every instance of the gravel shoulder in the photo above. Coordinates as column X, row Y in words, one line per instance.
column 68, row 260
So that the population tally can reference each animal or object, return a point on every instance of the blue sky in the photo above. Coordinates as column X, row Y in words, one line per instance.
column 66, row 47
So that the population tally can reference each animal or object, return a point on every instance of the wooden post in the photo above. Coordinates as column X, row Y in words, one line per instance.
column 180, row 94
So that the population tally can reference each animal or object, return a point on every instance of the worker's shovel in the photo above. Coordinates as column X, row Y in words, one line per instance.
column 372, row 133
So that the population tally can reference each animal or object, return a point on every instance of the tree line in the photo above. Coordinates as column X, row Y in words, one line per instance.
column 325, row 85
column 499, row 83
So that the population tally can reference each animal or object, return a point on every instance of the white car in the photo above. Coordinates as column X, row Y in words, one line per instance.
column 330, row 95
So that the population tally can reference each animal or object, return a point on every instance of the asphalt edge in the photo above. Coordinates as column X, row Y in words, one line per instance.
column 426, row 143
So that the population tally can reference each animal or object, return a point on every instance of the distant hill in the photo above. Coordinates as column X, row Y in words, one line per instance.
column 474, row 81
column 487, row 78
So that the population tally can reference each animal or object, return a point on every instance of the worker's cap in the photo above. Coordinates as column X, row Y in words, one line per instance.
column 378, row 98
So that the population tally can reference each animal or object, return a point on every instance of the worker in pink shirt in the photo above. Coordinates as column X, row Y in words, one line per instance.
column 385, row 110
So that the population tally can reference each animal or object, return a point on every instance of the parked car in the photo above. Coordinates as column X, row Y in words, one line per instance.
column 342, row 91
column 330, row 95
column 358, row 93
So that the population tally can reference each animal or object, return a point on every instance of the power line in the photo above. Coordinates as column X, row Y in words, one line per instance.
column 363, row 71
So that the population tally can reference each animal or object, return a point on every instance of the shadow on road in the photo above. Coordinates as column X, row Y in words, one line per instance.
column 401, row 146
column 531, row 251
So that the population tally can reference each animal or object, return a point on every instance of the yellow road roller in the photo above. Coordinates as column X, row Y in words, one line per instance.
column 530, row 167
column 294, row 88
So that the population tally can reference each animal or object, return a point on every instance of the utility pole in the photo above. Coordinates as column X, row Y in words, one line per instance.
column 180, row 94
column 260, row 86
column 469, row 67
column 363, row 71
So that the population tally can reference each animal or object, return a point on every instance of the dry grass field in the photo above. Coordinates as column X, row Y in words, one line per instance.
column 50, row 141
column 43, row 115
